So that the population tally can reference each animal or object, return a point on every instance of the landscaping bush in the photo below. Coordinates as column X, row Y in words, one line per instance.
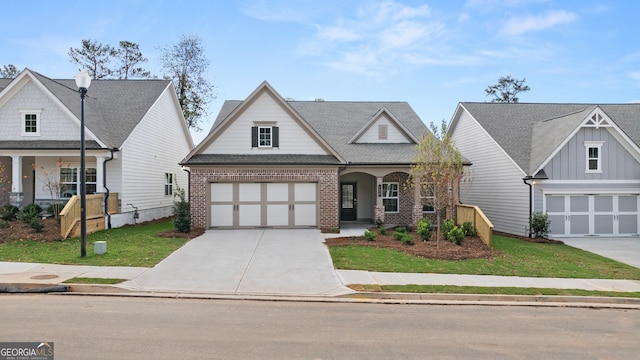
column 406, row 239
column 402, row 229
column 182, row 220
column 540, row 224
column 55, row 209
column 424, row 229
column 370, row 235
column 456, row 235
column 382, row 230
column 36, row 224
column 468, row 229
column 9, row 212
column 4, row 224
column 398, row 235
column 30, row 212
column 446, row 227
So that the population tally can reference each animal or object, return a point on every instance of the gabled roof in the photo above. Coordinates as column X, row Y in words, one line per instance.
column 336, row 122
column 377, row 116
column 529, row 133
column 113, row 108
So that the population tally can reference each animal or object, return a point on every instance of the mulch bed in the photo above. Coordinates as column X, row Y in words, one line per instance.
column 471, row 248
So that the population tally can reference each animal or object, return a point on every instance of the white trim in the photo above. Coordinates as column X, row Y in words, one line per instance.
column 590, row 182
column 628, row 191
column 397, row 197
column 23, row 114
column 270, row 136
column 593, row 145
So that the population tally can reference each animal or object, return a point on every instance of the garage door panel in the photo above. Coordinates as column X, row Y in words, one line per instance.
column 222, row 215
column 249, row 215
column 628, row 224
column 579, row 224
column 278, row 215
column 603, row 224
column 249, row 192
column 305, row 215
column 556, row 224
column 277, row 192
column 305, row 192
column 221, row 192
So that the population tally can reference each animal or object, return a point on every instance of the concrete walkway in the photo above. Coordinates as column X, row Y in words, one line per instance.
column 271, row 262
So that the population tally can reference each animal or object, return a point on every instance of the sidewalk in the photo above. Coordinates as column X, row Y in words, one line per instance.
column 51, row 274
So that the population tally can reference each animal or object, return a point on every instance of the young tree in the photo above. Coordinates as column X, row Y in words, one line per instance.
column 186, row 65
column 94, row 57
column 52, row 183
column 507, row 89
column 437, row 169
column 4, row 181
column 129, row 57
column 9, row 71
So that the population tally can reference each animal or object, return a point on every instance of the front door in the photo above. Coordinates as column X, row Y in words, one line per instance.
column 348, row 202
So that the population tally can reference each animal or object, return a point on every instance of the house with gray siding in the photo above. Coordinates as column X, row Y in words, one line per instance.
column 579, row 163
column 271, row 162
column 135, row 137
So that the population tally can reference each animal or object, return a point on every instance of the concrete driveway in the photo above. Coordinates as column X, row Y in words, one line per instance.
column 625, row 250
column 255, row 261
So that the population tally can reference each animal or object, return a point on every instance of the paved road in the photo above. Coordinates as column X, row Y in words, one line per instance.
column 83, row 327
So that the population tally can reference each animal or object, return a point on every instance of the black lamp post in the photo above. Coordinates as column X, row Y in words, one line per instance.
column 83, row 80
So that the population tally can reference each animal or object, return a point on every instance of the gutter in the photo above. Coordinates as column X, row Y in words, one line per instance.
column 104, row 182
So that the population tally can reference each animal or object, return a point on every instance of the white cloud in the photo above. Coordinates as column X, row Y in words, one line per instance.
column 521, row 25
column 635, row 75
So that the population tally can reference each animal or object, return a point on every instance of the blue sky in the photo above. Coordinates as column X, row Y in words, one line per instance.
column 432, row 54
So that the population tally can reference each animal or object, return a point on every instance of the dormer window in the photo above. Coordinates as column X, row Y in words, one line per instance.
column 594, row 156
column 30, row 122
column 263, row 136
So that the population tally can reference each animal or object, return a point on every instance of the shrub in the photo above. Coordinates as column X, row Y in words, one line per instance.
column 370, row 235
column 402, row 229
column 9, row 212
column 446, row 227
column 468, row 229
column 456, row 235
column 182, row 220
column 55, row 209
column 36, row 224
column 382, row 230
column 424, row 229
column 406, row 239
column 29, row 212
column 540, row 224
column 397, row 235
column 4, row 224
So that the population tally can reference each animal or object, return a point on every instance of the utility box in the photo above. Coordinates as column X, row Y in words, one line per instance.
column 100, row 247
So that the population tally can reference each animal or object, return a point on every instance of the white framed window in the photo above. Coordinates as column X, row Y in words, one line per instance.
column 264, row 136
column 70, row 181
column 593, row 151
column 427, row 200
column 390, row 197
column 30, row 122
column 168, row 184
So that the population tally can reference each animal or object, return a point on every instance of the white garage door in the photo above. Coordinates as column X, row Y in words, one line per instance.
column 263, row 205
column 593, row 215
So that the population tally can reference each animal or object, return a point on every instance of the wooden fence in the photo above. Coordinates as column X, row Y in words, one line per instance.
column 70, row 215
column 480, row 222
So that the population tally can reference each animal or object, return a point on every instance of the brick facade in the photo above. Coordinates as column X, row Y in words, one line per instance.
column 326, row 178
column 406, row 200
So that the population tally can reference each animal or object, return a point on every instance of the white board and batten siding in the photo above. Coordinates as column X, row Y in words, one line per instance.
column 266, row 110
column 154, row 147
column 394, row 135
column 496, row 185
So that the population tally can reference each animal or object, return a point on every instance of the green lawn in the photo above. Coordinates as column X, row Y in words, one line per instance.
column 126, row 246
column 484, row 290
column 520, row 258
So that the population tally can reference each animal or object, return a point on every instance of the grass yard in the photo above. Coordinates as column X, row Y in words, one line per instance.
column 484, row 290
column 136, row 245
column 519, row 258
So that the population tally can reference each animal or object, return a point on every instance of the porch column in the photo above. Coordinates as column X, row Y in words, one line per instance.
column 16, row 197
column 99, row 174
column 379, row 210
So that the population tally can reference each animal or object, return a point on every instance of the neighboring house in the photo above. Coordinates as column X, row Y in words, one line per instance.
column 135, row 137
column 269, row 162
column 579, row 163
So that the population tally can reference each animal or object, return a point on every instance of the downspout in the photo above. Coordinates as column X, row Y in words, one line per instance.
column 529, row 177
column 104, row 182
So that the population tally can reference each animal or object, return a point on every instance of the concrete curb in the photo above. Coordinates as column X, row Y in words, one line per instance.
column 374, row 298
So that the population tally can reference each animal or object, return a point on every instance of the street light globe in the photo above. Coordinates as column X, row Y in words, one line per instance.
column 83, row 80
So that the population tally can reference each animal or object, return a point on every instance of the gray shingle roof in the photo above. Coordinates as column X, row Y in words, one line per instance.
column 530, row 132
column 113, row 108
column 338, row 121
